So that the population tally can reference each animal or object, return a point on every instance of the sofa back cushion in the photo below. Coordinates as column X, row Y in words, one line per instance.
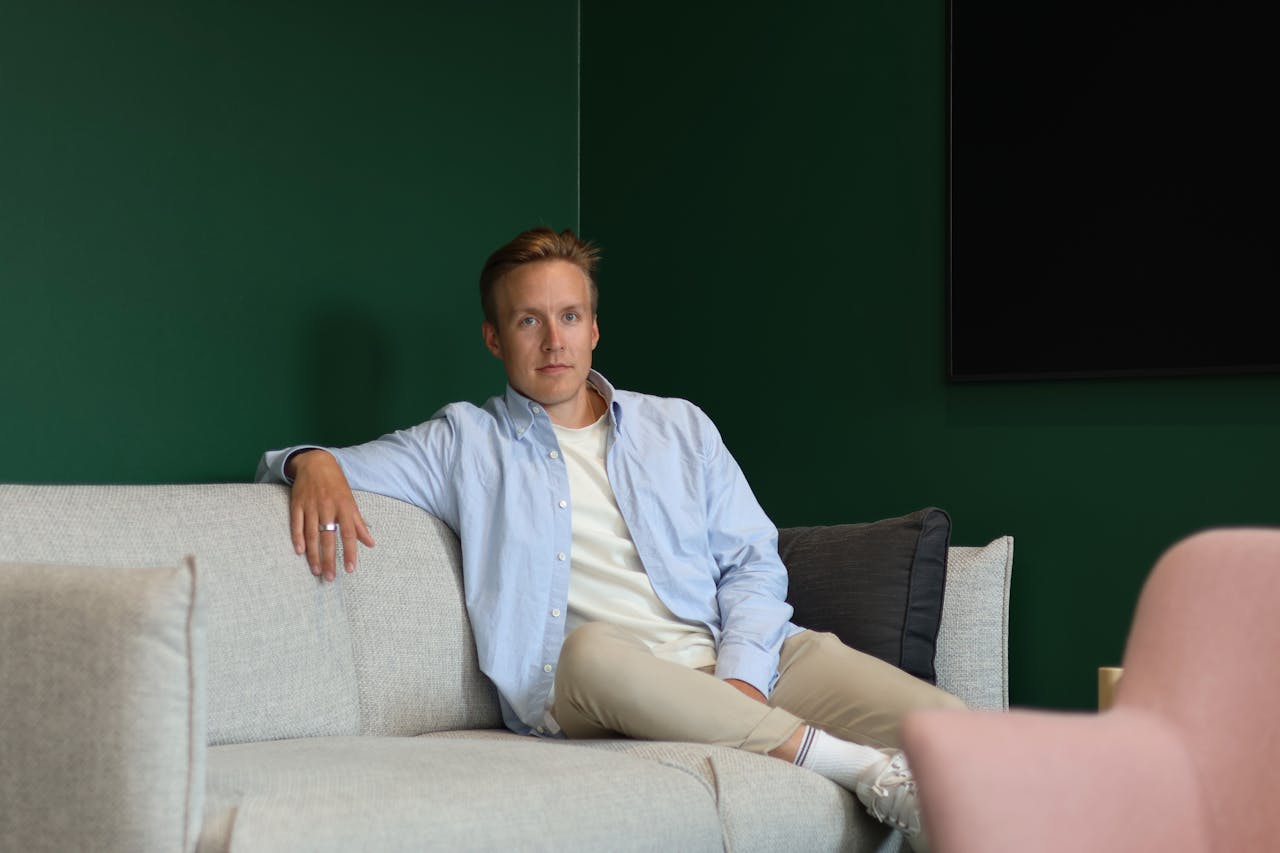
column 385, row 651
column 415, row 658
column 973, row 637
column 280, row 661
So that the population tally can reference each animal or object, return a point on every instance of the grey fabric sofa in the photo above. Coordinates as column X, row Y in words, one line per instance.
column 172, row 678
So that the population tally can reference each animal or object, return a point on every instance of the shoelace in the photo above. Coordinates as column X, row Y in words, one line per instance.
column 884, row 788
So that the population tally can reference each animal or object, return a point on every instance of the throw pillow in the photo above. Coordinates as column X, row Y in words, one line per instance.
column 876, row 585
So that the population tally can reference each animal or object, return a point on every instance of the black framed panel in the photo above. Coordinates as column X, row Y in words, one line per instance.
column 1113, row 188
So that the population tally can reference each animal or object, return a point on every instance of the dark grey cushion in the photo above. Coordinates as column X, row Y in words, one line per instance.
column 877, row 585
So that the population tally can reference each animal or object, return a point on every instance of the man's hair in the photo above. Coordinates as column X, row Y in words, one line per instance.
column 537, row 244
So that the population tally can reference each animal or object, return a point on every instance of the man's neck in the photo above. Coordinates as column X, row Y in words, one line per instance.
column 582, row 411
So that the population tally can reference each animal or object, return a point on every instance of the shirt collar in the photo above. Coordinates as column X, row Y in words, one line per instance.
column 524, row 412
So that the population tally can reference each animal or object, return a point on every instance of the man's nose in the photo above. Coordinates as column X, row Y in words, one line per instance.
column 553, row 339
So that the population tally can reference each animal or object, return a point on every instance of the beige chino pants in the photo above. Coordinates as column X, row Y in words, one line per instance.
column 608, row 683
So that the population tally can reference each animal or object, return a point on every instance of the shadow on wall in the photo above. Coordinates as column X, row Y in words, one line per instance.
column 349, row 376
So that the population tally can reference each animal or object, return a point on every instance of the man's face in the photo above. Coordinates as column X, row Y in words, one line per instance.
column 544, row 335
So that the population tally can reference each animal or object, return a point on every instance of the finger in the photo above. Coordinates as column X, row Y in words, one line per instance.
column 295, row 530
column 348, row 528
column 363, row 532
column 348, row 548
column 328, row 554
column 312, row 534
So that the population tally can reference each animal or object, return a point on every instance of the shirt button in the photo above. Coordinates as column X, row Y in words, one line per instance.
column 546, row 667
column 555, row 454
column 541, row 730
column 537, row 409
column 555, row 611
column 560, row 556
column 563, row 504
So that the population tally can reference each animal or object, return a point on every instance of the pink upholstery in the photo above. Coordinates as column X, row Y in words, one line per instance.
column 1188, row 759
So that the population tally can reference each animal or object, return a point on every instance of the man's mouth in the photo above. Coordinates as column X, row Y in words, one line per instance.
column 554, row 368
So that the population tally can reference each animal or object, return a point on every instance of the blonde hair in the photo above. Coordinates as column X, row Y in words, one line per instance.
column 537, row 244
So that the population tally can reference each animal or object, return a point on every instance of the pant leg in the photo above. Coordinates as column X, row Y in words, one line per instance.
column 849, row 694
column 608, row 683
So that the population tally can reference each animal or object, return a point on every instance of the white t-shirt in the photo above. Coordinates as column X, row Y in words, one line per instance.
column 607, row 581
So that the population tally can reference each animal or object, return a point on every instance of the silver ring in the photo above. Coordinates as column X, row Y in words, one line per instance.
column 330, row 527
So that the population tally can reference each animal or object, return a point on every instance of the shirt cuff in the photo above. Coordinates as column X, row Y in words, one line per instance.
column 757, row 668
column 271, row 466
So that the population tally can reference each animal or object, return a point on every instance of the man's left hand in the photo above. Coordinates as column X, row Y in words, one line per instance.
column 746, row 689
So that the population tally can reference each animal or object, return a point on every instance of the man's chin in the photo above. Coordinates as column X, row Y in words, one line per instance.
column 552, row 390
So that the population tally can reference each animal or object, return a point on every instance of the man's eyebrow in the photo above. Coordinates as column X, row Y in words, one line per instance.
column 529, row 309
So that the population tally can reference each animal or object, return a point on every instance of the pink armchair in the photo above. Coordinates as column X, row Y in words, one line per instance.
column 1188, row 757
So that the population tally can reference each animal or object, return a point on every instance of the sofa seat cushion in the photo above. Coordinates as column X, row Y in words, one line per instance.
column 426, row 793
column 763, row 804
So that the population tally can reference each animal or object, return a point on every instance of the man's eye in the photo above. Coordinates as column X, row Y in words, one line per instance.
column 527, row 321
column 571, row 317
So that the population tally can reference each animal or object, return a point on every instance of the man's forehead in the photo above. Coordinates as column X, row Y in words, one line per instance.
column 560, row 287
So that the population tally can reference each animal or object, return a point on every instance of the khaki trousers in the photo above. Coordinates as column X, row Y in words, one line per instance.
column 608, row 683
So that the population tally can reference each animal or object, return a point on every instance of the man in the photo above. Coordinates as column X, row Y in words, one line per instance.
column 619, row 574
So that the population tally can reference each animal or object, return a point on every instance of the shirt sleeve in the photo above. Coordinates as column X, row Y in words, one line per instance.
column 752, row 590
column 271, row 465
column 414, row 465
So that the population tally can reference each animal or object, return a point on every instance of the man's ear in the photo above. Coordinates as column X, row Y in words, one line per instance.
column 595, row 331
column 491, row 340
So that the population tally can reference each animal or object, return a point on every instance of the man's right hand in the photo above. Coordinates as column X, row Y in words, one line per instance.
column 321, row 495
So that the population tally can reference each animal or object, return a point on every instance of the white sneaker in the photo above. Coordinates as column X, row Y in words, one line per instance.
column 888, row 790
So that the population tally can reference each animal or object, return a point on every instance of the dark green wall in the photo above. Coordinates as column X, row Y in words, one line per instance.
column 226, row 229
column 232, row 226
column 768, row 184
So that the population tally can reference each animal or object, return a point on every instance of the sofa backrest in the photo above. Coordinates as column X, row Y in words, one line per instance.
column 414, row 653
column 387, row 650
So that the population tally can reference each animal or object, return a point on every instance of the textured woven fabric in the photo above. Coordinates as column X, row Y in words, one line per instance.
column 388, row 651
column 414, row 655
column 280, row 662
column 427, row 793
column 101, row 702
column 764, row 804
column 878, row 585
column 973, row 638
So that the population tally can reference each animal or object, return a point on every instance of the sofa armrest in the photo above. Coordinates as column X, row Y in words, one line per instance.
column 972, row 652
column 102, row 699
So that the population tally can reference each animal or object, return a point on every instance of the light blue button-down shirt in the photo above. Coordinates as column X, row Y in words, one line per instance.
column 495, row 475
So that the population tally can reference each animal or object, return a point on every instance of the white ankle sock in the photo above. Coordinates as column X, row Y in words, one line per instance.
column 838, row 760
